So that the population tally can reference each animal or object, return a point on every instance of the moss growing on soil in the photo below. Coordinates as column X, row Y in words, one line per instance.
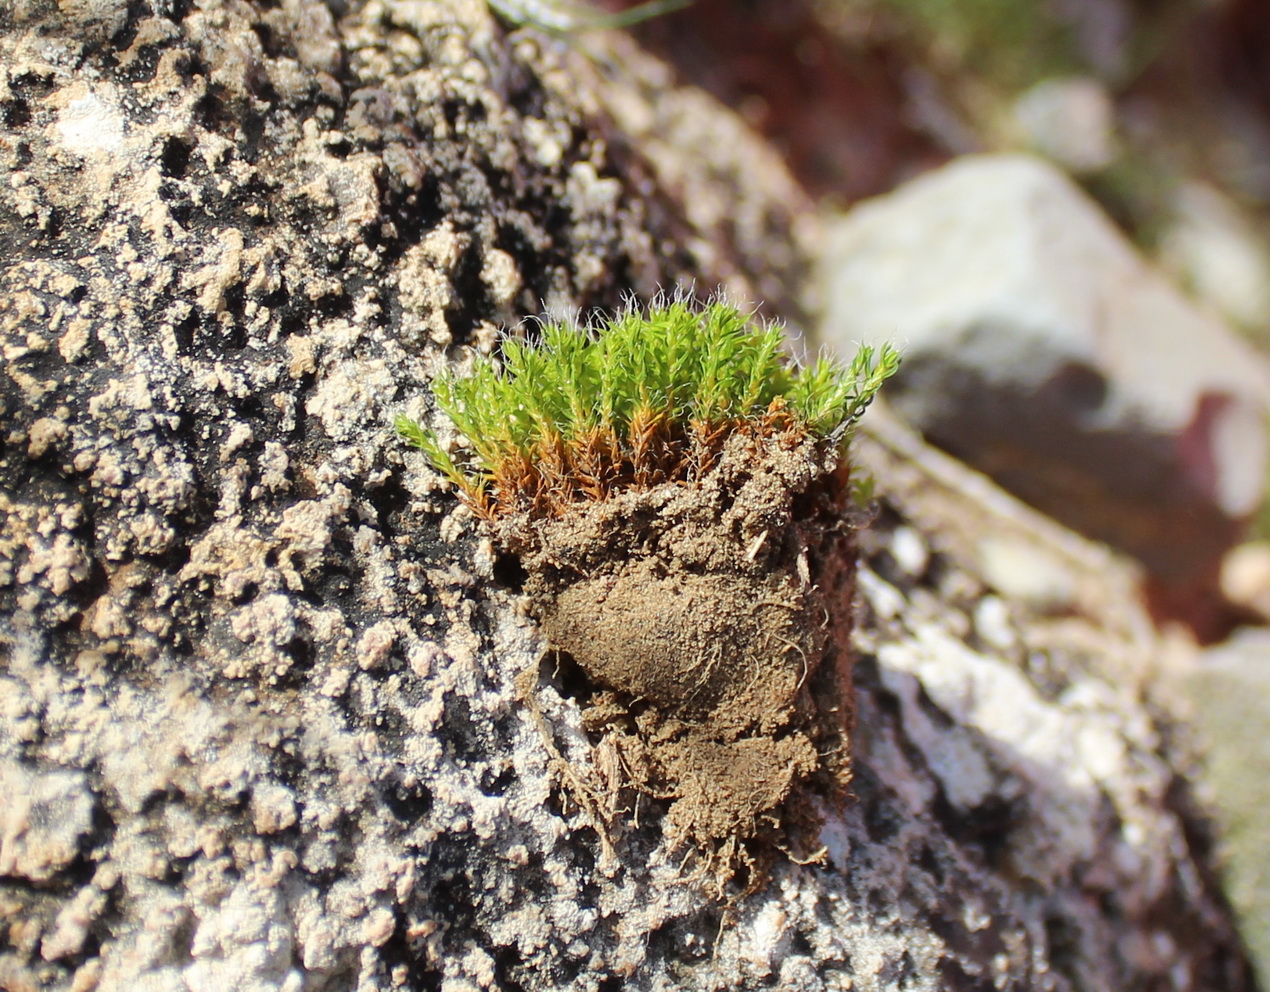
column 679, row 497
column 585, row 413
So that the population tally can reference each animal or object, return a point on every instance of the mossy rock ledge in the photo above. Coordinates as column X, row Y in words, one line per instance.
column 276, row 713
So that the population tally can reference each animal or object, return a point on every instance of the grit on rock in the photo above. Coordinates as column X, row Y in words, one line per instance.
column 262, row 716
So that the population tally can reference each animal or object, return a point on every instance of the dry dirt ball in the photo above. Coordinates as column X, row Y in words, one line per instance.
column 712, row 619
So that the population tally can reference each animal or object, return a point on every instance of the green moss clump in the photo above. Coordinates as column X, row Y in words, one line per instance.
column 644, row 399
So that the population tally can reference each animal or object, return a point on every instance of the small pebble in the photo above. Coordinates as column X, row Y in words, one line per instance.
column 910, row 552
column 992, row 623
column 1245, row 577
column 1020, row 570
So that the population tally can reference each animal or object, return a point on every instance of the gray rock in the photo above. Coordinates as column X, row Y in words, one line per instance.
column 269, row 700
column 45, row 819
column 1042, row 350
column 1229, row 688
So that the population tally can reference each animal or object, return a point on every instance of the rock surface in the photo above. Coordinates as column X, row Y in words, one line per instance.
column 1041, row 349
column 1218, row 252
column 272, row 716
column 1070, row 120
column 1229, row 689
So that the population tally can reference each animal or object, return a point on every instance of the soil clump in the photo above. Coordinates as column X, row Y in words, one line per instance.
column 712, row 619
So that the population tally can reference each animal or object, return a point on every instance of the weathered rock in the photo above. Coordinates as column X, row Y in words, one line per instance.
column 1229, row 689
column 271, row 713
column 1041, row 349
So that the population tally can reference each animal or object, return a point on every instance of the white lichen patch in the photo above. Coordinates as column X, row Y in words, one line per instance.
column 89, row 122
column 41, row 555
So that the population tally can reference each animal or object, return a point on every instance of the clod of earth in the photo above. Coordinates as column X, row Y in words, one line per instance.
column 715, row 616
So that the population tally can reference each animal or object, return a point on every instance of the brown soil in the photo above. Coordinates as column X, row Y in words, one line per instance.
column 715, row 616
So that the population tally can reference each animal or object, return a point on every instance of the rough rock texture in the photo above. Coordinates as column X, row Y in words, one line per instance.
column 271, row 717
column 1041, row 349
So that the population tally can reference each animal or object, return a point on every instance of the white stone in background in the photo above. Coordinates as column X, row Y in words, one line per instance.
column 1040, row 348
column 1071, row 121
column 1216, row 252
column 992, row 623
column 1024, row 572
